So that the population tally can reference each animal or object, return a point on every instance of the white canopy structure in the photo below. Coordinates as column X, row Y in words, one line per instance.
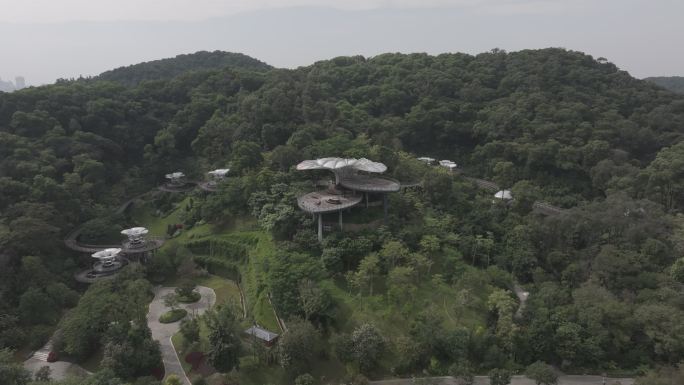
column 333, row 164
column 427, row 160
column 107, row 256
column 504, row 195
column 175, row 178
column 136, row 235
column 448, row 164
column 219, row 173
column 175, row 175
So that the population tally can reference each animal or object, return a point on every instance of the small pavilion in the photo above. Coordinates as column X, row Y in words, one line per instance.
column 267, row 337
column 352, row 176
column 427, row 160
column 328, row 201
column 448, row 164
column 504, row 196
column 216, row 177
column 138, row 244
column 176, row 183
column 109, row 262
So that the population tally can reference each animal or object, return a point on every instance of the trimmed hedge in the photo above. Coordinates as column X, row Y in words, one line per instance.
column 173, row 316
column 192, row 298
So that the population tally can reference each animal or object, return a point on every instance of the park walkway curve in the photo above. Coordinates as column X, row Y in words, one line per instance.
column 163, row 332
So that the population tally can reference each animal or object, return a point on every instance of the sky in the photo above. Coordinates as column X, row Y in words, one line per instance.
column 44, row 40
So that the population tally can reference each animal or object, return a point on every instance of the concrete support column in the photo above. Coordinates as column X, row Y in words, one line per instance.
column 385, row 205
column 340, row 220
column 320, row 227
column 366, row 196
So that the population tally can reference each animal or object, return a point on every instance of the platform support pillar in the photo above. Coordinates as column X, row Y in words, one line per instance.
column 385, row 206
column 320, row 227
column 366, row 196
column 340, row 220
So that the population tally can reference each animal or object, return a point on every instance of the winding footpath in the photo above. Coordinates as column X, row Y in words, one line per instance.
column 163, row 332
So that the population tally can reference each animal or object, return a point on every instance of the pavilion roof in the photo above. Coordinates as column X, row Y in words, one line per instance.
column 175, row 175
column 219, row 172
column 107, row 253
column 362, row 164
column 261, row 333
column 504, row 195
column 135, row 231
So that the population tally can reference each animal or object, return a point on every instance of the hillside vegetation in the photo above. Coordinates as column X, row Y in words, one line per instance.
column 672, row 83
column 429, row 291
column 169, row 68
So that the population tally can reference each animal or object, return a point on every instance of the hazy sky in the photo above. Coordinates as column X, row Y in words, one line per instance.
column 48, row 39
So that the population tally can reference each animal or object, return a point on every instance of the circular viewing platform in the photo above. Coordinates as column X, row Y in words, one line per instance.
column 149, row 245
column 95, row 274
column 209, row 186
column 323, row 202
column 371, row 184
column 180, row 188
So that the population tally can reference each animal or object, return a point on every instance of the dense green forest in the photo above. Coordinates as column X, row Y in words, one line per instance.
column 672, row 83
column 165, row 69
column 431, row 291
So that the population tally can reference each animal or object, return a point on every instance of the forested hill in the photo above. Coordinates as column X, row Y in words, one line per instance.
column 672, row 83
column 172, row 67
column 606, row 276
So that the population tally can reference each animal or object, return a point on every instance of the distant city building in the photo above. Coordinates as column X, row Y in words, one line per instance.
column 8, row 86
column 19, row 82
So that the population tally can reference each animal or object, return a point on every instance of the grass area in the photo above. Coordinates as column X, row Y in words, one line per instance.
column 171, row 316
column 457, row 308
column 263, row 314
column 226, row 290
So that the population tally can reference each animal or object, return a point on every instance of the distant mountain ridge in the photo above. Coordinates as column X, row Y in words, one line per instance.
column 171, row 67
column 672, row 83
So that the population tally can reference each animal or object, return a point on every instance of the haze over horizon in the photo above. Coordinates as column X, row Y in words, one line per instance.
column 45, row 40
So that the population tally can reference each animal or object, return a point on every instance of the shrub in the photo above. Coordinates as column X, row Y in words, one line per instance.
column 191, row 298
column 194, row 359
column 173, row 316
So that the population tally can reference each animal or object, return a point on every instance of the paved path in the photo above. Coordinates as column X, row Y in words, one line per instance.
column 517, row 380
column 163, row 332
column 60, row 370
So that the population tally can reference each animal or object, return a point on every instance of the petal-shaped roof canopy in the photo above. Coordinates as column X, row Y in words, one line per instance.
column 107, row 253
column 362, row 164
column 175, row 175
column 219, row 172
column 504, row 194
column 135, row 232
column 426, row 159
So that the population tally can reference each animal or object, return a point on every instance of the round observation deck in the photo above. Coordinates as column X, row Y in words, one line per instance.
column 323, row 202
column 370, row 184
column 211, row 186
column 177, row 188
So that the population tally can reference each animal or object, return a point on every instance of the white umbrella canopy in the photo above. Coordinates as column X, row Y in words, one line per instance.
column 175, row 175
column 107, row 254
column 219, row 172
column 426, row 159
column 135, row 232
column 362, row 164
